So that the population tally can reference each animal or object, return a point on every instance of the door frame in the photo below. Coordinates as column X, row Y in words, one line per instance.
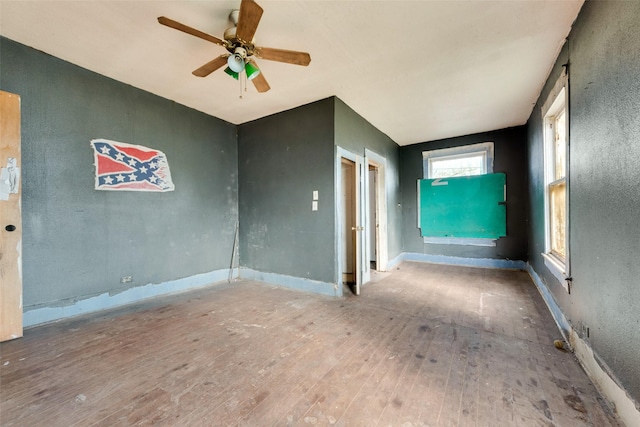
column 374, row 159
column 358, row 241
column 348, row 222
column 363, row 268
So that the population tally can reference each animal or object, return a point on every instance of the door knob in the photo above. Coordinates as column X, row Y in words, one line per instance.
column 10, row 227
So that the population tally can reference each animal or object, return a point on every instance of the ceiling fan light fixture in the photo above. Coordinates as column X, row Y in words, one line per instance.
column 236, row 62
column 251, row 70
column 231, row 73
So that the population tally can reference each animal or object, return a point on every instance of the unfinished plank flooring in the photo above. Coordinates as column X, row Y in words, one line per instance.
column 426, row 345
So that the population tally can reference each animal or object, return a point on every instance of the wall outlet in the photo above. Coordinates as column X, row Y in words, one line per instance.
column 126, row 279
column 585, row 331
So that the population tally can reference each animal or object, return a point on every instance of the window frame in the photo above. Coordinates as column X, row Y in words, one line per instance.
column 557, row 103
column 486, row 149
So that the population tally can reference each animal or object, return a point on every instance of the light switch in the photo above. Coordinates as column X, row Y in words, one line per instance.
column 315, row 194
column 314, row 205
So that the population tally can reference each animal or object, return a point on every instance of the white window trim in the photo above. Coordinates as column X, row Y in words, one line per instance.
column 485, row 148
column 558, row 98
column 556, row 267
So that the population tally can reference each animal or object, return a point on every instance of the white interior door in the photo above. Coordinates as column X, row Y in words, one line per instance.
column 364, row 266
column 355, row 217
column 10, row 218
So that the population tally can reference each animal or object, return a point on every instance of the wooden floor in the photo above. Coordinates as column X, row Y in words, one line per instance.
column 426, row 345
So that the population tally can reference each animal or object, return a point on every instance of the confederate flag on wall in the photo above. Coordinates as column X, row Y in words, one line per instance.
column 128, row 167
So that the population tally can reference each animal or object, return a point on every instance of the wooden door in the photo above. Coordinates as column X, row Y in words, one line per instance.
column 352, row 218
column 10, row 218
column 348, row 214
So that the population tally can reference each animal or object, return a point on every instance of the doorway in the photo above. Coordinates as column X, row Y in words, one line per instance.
column 361, row 226
column 373, row 223
column 376, row 211
column 349, row 225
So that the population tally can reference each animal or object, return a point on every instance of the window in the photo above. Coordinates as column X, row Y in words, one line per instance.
column 475, row 159
column 556, row 172
column 468, row 160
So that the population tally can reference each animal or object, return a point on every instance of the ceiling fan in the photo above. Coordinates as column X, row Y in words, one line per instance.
column 238, row 41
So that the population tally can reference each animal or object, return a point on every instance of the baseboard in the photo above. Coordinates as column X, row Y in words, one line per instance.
column 506, row 264
column 39, row 315
column 554, row 308
column 392, row 263
column 624, row 406
column 291, row 282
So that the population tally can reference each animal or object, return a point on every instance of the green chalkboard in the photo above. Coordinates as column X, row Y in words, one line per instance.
column 467, row 206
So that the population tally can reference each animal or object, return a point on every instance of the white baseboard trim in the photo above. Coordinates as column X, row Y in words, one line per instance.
column 106, row 300
column 625, row 407
column 291, row 282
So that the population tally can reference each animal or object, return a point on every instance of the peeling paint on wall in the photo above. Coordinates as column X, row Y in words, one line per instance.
column 9, row 179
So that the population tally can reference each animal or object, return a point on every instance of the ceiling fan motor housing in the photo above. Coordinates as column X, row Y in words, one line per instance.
column 230, row 33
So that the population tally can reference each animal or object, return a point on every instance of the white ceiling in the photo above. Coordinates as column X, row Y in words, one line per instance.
column 416, row 70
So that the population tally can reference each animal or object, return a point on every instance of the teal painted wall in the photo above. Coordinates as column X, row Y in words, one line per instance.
column 603, row 53
column 283, row 158
column 510, row 158
column 79, row 242
column 354, row 134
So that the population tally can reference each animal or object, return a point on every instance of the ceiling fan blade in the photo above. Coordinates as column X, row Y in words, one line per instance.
column 186, row 29
column 282, row 55
column 259, row 81
column 248, row 20
column 211, row 66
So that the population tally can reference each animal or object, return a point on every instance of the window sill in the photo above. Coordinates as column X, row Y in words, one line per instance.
column 464, row 241
column 557, row 268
